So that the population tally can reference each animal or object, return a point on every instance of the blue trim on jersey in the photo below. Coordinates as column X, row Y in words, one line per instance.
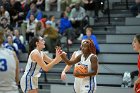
column 90, row 85
column 32, row 75
column 31, row 83
column 34, row 69
column 26, row 79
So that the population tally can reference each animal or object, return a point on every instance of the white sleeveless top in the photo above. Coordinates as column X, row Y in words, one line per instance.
column 86, row 63
column 77, row 53
column 32, row 68
column 7, row 70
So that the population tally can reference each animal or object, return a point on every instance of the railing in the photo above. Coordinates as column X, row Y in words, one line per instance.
column 108, row 12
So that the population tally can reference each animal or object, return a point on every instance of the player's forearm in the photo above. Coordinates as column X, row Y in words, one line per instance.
column 89, row 74
column 17, row 76
column 17, row 80
column 67, row 68
column 66, row 60
column 51, row 64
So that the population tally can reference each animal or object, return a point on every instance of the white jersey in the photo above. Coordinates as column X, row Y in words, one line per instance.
column 7, row 70
column 29, row 80
column 32, row 68
column 87, row 84
column 77, row 53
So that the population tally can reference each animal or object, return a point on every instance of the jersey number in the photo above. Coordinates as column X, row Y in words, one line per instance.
column 3, row 65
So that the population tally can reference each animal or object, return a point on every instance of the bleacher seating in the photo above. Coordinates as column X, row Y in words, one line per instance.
column 127, row 29
column 132, row 21
column 119, row 38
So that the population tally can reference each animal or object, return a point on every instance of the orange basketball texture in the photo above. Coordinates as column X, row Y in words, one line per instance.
column 80, row 69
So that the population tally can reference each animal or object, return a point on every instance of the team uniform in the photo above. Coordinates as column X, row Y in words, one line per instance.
column 87, row 84
column 138, row 86
column 7, row 71
column 29, row 79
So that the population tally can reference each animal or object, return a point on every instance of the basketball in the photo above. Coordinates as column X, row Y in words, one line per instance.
column 80, row 69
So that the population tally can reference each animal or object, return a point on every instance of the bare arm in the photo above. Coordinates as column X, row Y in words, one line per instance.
column 47, row 59
column 70, row 62
column 17, row 68
column 67, row 67
column 94, row 66
column 37, row 57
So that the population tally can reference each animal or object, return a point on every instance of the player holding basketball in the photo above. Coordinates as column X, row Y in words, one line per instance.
column 88, row 59
column 36, row 62
column 8, row 69
column 136, row 47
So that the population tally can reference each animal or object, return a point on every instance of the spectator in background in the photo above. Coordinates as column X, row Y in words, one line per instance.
column 138, row 16
column 68, row 11
column 31, row 25
column 25, row 7
column 5, row 25
column 52, row 19
column 16, row 13
column 6, row 4
column 89, row 7
column 70, row 3
column 66, row 28
column 43, row 20
column 49, row 2
column 77, row 13
column 39, row 29
column 41, row 4
column 77, row 16
column 89, row 35
column 51, row 37
column 4, row 13
column 64, row 4
column 34, row 11
column 135, row 9
column 11, row 45
column 93, row 5
column 19, row 40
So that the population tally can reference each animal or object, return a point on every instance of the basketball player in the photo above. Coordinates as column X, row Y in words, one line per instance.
column 8, row 69
column 89, row 59
column 136, row 47
column 36, row 62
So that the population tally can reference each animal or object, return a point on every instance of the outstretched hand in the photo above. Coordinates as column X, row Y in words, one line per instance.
column 63, row 76
column 60, row 51
column 57, row 53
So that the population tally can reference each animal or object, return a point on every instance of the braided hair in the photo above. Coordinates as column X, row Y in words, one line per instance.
column 91, row 46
